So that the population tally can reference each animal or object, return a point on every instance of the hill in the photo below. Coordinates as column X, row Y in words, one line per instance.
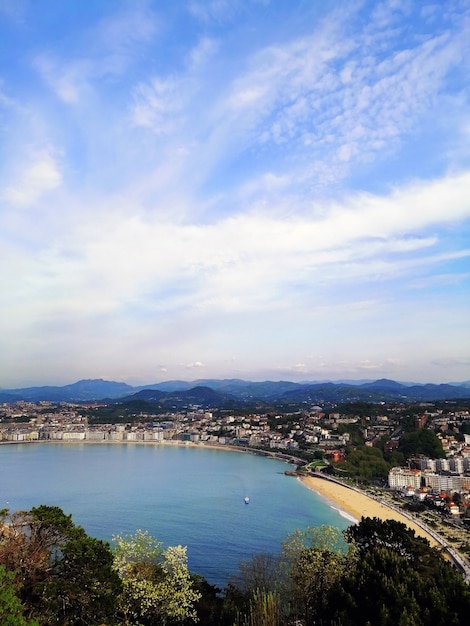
column 235, row 392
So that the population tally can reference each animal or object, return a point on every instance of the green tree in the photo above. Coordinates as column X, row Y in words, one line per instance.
column 212, row 608
column 85, row 585
column 397, row 578
column 11, row 609
column 157, row 585
column 324, row 537
column 66, row 577
column 312, row 580
column 373, row 532
column 422, row 441
column 365, row 462
column 264, row 609
column 311, row 561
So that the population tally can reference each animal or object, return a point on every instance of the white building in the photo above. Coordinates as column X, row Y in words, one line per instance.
column 401, row 477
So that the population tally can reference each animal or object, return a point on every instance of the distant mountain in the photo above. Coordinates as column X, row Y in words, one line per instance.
column 235, row 392
column 383, row 385
column 379, row 391
column 323, row 393
column 465, row 383
column 251, row 390
column 199, row 396
column 149, row 395
column 169, row 385
column 81, row 391
column 436, row 392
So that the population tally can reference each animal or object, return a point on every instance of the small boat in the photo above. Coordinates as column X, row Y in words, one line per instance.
column 247, row 499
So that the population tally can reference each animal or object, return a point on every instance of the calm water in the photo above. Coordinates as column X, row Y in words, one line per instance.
column 181, row 495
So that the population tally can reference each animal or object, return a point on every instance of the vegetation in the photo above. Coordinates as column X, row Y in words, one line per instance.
column 377, row 572
column 121, row 413
column 386, row 576
column 398, row 579
column 11, row 609
column 62, row 575
column 422, row 441
column 157, row 586
column 364, row 463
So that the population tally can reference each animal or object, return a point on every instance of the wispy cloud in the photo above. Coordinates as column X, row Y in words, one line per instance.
column 159, row 105
column 103, row 51
column 40, row 174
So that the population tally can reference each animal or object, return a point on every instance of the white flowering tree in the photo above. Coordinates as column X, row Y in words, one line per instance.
column 157, row 586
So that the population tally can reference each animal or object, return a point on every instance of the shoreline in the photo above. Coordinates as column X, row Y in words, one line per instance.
column 269, row 454
column 350, row 503
column 354, row 504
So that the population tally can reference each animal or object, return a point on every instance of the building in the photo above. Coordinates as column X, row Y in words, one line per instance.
column 402, row 477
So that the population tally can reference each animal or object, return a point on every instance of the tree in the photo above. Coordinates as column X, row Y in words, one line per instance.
column 365, row 462
column 312, row 560
column 322, row 537
column 11, row 609
column 260, row 573
column 157, row 585
column 85, row 584
column 66, row 577
column 212, row 608
column 422, row 441
column 373, row 532
column 378, row 590
column 397, row 578
column 316, row 573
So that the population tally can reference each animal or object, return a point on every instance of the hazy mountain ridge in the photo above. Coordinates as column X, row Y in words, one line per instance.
column 227, row 392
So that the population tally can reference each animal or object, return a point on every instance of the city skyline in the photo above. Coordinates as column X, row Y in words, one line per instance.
column 226, row 189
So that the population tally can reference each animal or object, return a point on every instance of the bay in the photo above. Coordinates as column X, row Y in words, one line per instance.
column 188, row 495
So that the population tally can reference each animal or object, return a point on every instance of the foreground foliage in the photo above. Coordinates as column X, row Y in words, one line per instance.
column 63, row 575
column 385, row 576
column 11, row 609
column 376, row 572
column 157, row 586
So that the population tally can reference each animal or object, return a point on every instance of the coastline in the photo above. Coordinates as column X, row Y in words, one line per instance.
column 354, row 504
column 269, row 454
column 349, row 502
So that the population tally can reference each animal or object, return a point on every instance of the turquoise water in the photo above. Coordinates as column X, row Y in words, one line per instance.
column 192, row 496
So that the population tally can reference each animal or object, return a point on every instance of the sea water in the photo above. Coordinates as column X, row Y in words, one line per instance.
column 182, row 495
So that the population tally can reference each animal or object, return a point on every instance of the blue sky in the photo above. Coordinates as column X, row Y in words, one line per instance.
column 234, row 188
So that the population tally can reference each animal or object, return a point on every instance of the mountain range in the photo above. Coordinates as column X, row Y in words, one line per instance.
column 235, row 392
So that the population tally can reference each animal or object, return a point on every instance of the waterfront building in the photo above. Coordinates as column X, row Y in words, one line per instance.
column 402, row 477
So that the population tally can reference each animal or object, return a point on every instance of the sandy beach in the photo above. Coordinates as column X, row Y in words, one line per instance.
column 356, row 504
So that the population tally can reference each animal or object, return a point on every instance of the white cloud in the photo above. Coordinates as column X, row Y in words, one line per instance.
column 39, row 176
column 325, row 96
column 203, row 52
column 158, row 105
column 242, row 263
column 118, row 33
column 69, row 81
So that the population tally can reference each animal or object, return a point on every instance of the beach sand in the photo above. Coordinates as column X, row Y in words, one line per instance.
column 356, row 504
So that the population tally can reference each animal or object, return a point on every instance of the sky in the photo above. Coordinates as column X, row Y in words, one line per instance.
column 255, row 189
